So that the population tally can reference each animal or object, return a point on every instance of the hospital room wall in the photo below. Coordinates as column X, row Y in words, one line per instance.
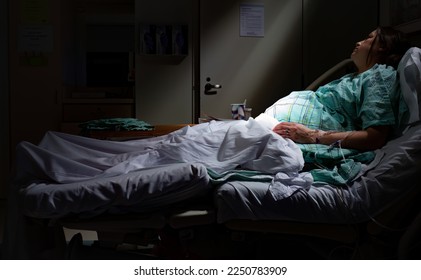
column 331, row 29
column 302, row 39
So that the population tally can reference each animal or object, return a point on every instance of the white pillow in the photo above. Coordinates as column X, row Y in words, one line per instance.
column 409, row 69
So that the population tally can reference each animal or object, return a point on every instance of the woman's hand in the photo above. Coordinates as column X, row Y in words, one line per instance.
column 297, row 132
column 365, row 140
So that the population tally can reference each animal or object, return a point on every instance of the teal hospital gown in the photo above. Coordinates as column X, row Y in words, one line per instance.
column 353, row 102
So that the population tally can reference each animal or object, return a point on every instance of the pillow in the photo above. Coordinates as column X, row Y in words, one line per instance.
column 409, row 69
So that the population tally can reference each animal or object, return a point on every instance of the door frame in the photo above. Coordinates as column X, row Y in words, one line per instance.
column 4, row 98
column 196, row 61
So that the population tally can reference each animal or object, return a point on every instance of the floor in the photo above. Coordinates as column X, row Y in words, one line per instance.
column 88, row 236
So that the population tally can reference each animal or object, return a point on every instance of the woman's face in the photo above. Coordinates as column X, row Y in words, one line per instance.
column 361, row 52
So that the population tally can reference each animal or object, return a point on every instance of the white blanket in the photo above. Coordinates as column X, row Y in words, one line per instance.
column 220, row 146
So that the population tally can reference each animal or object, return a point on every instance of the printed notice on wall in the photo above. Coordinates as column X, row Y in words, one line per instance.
column 35, row 38
column 252, row 20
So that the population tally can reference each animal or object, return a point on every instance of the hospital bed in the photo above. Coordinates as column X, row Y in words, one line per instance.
column 177, row 210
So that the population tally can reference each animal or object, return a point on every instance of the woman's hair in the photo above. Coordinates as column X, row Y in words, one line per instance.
column 394, row 44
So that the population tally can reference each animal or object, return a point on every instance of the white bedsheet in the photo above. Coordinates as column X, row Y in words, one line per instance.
column 67, row 174
column 220, row 146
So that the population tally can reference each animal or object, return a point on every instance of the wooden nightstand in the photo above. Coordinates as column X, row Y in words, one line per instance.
column 84, row 104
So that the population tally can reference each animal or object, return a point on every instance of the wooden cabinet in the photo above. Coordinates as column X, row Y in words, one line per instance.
column 86, row 104
column 84, row 110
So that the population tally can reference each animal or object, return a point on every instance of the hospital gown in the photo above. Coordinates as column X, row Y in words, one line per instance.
column 353, row 102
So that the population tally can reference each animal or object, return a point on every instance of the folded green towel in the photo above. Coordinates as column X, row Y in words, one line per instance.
column 116, row 124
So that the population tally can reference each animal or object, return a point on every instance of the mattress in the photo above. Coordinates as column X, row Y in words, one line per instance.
column 137, row 191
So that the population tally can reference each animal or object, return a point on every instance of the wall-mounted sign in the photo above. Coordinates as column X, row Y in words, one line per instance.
column 252, row 20
column 35, row 38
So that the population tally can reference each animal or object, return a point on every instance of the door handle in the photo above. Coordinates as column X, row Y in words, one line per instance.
column 211, row 89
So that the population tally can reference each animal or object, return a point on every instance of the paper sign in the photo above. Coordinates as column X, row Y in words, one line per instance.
column 36, row 38
column 252, row 20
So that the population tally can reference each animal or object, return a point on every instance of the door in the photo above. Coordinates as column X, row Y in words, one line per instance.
column 257, row 69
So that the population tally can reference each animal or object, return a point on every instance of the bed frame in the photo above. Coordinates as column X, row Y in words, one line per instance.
column 191, row 231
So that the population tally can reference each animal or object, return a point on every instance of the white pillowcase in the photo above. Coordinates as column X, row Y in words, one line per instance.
column 409, row 69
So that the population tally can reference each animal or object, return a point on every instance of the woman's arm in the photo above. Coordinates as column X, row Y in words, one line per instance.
column 370, row 139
